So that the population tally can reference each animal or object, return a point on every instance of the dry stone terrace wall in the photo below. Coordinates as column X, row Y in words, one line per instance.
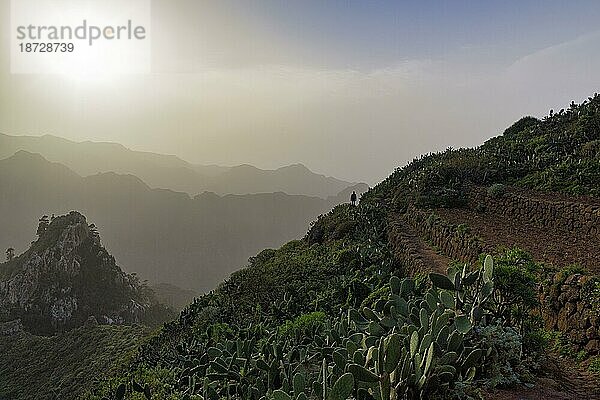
column 575, row 218
column 570, row 307
column 567, row 305
column 404, row 250
column 455, row 243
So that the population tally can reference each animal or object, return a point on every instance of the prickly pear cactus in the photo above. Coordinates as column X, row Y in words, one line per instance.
column 409, row 345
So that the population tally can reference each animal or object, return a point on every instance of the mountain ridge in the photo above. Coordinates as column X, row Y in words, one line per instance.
column 344, row 310
column 202, row 238
column 171, row 172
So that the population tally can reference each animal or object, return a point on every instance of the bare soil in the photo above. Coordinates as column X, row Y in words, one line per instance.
column 431, row 258
column 546, row 245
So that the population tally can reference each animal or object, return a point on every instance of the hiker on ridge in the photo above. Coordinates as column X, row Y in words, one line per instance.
column 353, row 198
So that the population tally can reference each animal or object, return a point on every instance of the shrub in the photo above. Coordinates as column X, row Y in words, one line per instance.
column 535, row 339
column 345, row 256
column 496, row 191
column 504, row 360
column 591, row 149
column 220, row 331
column 337, row 224
column 516, row 279
column 595, row 365
column 302, row 324
column 343, row 229
column 375, row 296
column 521, row 125
column 463, row 229
column 559, row 343
column 442, row 198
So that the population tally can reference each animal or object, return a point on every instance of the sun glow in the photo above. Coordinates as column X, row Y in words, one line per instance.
column 92, row 41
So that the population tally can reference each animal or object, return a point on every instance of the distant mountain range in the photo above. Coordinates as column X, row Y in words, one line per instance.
column 163, row 235
column 170, row 172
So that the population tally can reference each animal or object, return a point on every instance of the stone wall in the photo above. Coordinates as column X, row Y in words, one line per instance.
column 575, row 218
column 406, row 254
column 569, row 307
column 456, row 243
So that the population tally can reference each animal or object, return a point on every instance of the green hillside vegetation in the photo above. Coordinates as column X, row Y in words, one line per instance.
column 64, row 366
column 559, row 153
column 333, row 316
column 299, row 305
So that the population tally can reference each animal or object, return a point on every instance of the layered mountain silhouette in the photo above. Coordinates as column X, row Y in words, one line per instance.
column 170, row 172
column 163, row 235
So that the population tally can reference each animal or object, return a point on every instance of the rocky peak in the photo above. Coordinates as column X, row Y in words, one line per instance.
column 67, row 276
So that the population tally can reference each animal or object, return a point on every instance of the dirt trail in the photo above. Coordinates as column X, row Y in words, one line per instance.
column 405, row 241
column 561, row 380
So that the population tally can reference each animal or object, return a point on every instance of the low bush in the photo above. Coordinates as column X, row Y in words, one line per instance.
column 302, row 324
column 594, row 366
column 503, row 364
column 496, row 191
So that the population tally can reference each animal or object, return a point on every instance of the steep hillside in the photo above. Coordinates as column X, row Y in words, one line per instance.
column 67, row 276
column 560, row 153
column 534, row 186
column 349, row 312
column 169, row 172
column 163, row 236
column 64, row 366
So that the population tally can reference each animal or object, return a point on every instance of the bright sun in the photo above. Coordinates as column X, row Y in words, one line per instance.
column 91, row 42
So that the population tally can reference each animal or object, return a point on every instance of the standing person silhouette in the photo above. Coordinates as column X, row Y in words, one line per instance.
column 353, row 198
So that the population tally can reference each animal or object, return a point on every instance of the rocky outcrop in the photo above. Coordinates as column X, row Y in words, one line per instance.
column 67, row 276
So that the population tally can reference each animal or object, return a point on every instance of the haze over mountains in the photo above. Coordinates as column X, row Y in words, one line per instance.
column 163, row 235
column 170, row 172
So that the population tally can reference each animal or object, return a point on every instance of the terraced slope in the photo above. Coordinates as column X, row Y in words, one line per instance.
column 560, row 378
column 413, row 250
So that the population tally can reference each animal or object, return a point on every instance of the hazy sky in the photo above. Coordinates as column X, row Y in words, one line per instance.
column 350, row 89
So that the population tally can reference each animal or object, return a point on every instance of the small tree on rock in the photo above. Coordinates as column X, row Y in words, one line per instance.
column 43, row 225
